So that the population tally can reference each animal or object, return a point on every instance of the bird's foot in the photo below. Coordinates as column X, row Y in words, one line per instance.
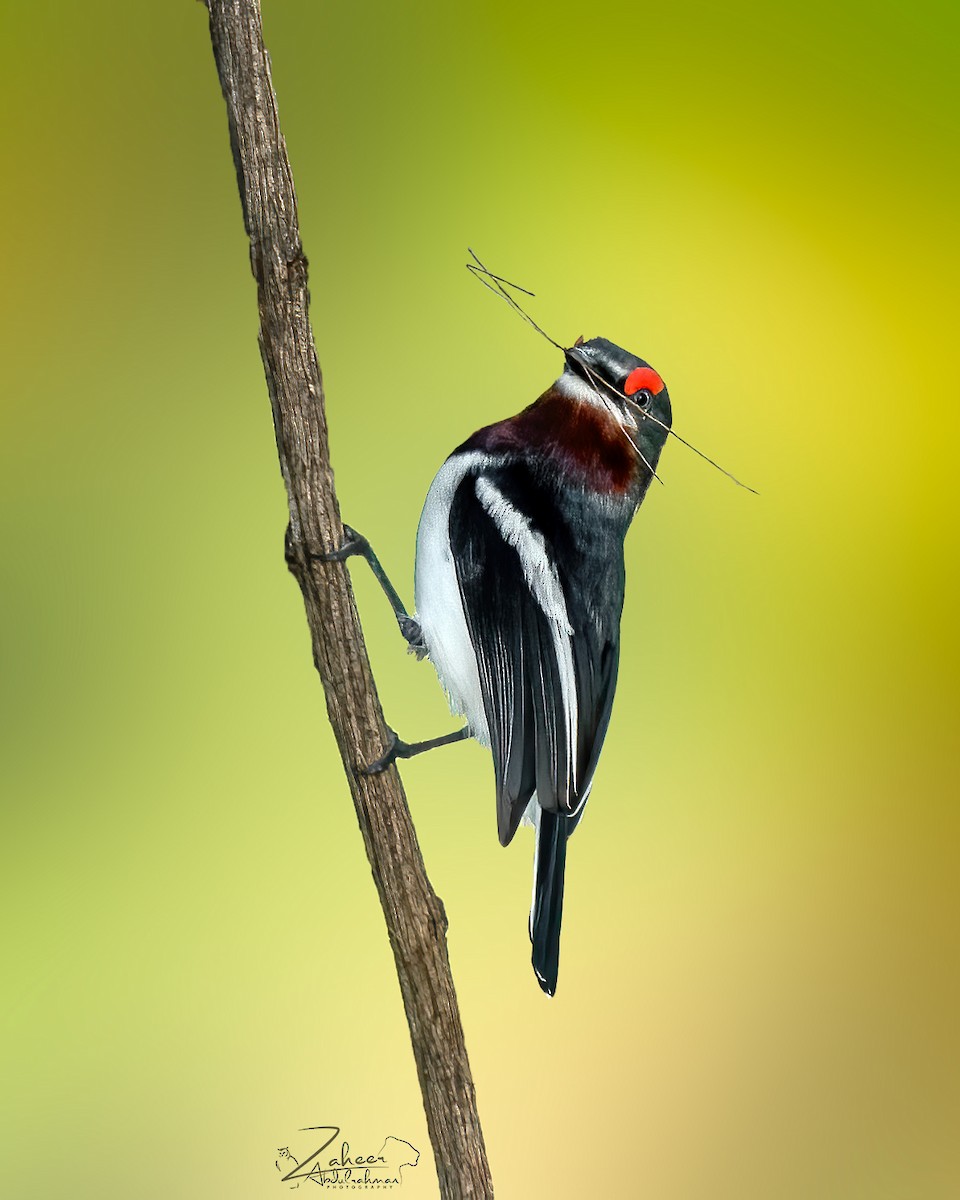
column 356, row 543
column 395, row 749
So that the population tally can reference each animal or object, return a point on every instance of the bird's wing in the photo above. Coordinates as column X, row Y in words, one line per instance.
column 547, row 661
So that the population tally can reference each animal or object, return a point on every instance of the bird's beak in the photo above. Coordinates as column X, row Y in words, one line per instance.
column 575, row 361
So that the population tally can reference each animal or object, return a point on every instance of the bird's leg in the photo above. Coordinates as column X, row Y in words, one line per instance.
column 398, row 749
column 355, row 544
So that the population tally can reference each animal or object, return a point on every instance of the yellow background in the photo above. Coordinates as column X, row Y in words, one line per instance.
column 759, row 989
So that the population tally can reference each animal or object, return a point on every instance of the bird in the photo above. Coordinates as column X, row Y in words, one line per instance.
column 519, row 589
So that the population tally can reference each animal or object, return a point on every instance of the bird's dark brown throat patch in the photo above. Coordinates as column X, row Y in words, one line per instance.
column 586, row 440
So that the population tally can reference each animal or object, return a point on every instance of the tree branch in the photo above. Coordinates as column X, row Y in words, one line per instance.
column 414, row 914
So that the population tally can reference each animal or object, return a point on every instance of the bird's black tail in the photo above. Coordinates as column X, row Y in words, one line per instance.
column 547, row 910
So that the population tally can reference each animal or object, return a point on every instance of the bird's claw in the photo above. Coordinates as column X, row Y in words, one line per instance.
column 356, row 543
column 395, row 749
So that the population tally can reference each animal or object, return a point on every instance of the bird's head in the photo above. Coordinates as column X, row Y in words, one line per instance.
column 600, row 373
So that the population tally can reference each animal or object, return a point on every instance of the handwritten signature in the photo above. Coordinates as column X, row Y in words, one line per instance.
column 383, row 1169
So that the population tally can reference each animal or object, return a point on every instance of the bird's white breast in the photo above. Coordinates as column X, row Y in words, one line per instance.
column 438, row 601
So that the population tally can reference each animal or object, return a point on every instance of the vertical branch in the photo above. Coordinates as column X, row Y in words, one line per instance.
column 414, row 914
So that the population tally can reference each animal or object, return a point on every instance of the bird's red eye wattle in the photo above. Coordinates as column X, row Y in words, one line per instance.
column 643, row 378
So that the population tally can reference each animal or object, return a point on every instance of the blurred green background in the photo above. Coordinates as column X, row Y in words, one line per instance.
column 759, row 990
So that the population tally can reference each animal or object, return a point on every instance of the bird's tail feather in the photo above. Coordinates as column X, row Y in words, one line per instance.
column 547, row 910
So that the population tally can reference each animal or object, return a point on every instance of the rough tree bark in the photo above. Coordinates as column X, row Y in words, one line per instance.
column 414, row 914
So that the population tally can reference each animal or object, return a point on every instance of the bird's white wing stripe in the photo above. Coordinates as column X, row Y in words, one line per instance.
column 541, row 575
column 438, row 600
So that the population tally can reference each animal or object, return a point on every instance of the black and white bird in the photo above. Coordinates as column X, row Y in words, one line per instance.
column 519, row 592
